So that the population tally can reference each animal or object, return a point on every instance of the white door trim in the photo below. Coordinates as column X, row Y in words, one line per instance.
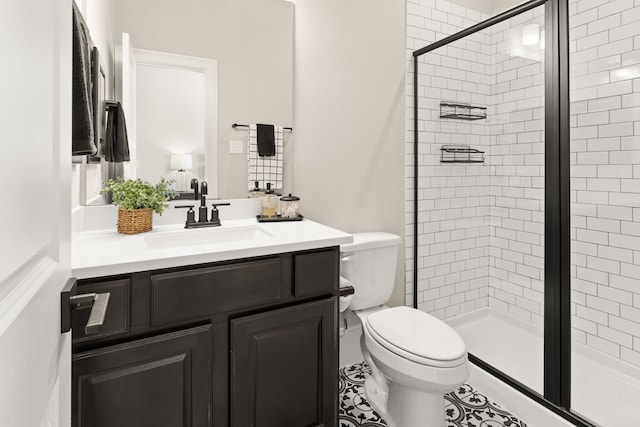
column 23, row 285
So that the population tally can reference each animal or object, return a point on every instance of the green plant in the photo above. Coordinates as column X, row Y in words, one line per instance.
column 139, row 194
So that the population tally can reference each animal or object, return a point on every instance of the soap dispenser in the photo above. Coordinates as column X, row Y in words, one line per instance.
column 256, row 192
column 269, row 203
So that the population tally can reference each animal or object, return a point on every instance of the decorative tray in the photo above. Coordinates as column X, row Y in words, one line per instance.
column 278, row 218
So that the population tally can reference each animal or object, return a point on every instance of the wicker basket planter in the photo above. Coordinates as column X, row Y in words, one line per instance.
column 134, row 221
column 137, row 200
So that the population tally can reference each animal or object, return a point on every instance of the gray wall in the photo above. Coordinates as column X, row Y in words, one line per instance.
column 349, row 115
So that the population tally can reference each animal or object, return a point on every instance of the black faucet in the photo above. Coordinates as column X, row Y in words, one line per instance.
column 202, row 215
column 194, row 187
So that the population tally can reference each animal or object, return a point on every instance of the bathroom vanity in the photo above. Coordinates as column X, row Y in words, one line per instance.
column 222, row 333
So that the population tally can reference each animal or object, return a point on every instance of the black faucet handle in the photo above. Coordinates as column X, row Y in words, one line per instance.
column 215, row 218
column 191, row 215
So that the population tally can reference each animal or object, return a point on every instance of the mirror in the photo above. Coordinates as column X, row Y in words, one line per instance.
column 252, row 44
column 176, row 126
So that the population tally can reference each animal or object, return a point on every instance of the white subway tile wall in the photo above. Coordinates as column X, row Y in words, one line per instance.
column 605, row 177
column 481, row 227
column 453, row 199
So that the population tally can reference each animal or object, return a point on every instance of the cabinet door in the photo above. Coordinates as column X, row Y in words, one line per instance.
column 157, row 381
column 284, row 367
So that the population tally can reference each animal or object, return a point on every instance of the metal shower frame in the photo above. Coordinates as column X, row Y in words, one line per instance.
column 557, row 252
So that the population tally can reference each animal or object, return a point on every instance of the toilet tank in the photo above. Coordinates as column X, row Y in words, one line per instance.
column 369, row 263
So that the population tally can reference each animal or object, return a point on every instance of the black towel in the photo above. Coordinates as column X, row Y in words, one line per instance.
column 266, row 140
column 116, row 144
column 82, row 139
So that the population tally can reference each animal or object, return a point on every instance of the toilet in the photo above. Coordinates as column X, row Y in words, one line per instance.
column 415, row 358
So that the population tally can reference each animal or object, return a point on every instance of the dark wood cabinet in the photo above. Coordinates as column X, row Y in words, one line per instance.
column 283, row 365
column 249, row 342
column 158, row 381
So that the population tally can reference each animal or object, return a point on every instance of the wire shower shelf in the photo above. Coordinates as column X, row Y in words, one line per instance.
column 460, row 154
column 454, row 110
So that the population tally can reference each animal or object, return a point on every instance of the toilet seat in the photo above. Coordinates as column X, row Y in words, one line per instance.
column 411, row 333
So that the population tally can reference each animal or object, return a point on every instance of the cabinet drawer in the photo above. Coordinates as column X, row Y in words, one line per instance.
column 117, row 318
column 185, row 295
column 316, row 273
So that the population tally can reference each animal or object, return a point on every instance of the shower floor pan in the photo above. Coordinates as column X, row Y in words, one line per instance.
column 605, row 390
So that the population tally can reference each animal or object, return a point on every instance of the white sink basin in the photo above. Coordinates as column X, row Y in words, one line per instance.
column 205, row 236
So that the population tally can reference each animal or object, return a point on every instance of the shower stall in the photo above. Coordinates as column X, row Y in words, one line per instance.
column 524, row 194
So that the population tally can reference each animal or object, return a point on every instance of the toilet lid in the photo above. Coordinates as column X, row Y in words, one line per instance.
column 416, row 333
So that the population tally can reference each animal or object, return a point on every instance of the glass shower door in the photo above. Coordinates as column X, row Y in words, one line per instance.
column 605, row 210
column 481, row 183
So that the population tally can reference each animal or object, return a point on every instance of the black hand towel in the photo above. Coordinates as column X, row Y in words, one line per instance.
column 82, row 140
column 116, row 145
column 266, row 140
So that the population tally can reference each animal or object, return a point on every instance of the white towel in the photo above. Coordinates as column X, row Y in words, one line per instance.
column 265, row 169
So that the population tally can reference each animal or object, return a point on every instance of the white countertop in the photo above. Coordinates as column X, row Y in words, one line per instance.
column 106, row 252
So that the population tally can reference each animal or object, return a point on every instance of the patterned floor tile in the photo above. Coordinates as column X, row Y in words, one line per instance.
column 464, row 407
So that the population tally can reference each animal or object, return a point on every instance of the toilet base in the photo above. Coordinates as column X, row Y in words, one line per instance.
column 377, row 398
column 413, row 408
column 404, row 407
